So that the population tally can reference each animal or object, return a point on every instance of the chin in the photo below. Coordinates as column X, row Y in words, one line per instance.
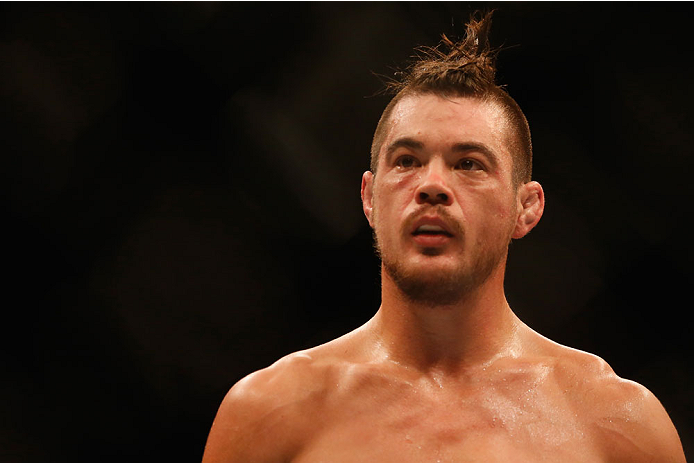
column 432, row 276
column 433, row 284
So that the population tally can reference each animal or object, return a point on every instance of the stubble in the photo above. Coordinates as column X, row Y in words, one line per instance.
column 441, row 287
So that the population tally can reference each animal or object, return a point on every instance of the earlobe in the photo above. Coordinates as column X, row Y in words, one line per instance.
column 367, row 195
column 531, row 205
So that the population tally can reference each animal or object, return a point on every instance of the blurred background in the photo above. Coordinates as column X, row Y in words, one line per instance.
column 182, row 203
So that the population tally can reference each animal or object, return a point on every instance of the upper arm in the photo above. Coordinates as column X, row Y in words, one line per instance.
column 260, row 419
column 638, row 429
column 628, row 423
column 232, row 436
column 228, row 435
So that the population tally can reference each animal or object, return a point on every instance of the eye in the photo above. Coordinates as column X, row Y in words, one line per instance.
column 407, row 161
column 469, row 164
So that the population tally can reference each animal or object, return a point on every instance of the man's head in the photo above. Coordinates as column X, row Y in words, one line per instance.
column 467, row 69
column 449, row 185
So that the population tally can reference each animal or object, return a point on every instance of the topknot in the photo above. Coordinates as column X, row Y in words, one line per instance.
column 464, row 67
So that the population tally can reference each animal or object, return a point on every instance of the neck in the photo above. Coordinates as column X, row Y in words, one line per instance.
column 475, row 330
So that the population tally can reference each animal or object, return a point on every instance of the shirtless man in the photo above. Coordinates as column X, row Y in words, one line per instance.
column 444, row 372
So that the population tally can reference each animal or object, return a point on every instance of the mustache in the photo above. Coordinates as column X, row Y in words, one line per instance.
column 440, row 211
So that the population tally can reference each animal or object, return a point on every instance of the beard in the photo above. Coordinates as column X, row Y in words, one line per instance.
column 440, row 287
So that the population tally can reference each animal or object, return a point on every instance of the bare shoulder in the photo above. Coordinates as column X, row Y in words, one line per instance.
column 625, row 418
column 251, row 424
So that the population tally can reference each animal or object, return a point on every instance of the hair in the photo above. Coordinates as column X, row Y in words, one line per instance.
column 463, row 69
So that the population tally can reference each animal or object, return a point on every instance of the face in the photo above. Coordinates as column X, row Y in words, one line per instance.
column 443, row 204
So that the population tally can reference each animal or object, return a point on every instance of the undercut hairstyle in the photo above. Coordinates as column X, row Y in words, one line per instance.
column 461, row 69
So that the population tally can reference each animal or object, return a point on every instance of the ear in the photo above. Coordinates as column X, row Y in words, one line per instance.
column 531, row 205
column 367, row 183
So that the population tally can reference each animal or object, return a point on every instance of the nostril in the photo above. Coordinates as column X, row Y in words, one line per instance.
column 436, row 198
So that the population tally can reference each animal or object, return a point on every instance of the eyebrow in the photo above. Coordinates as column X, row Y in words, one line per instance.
column 405, row 142
column 462, row 147
column 480, row 147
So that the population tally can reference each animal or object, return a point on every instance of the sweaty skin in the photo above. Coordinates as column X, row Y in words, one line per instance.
column 453, row 378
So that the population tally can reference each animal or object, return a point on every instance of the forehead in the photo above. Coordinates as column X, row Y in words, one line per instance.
column 439, row 121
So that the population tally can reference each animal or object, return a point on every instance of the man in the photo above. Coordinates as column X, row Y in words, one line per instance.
column 444, row 371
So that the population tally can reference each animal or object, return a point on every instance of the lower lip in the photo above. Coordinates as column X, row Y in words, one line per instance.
column 430, row 240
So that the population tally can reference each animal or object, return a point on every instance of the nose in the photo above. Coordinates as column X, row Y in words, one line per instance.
column 433, row 188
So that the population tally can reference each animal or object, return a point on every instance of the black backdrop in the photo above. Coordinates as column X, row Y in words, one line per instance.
column 182, row 201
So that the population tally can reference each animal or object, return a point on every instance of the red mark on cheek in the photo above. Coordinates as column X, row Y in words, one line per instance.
column 504, row 212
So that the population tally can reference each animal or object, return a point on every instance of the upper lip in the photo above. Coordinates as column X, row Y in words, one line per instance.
column 436, row 222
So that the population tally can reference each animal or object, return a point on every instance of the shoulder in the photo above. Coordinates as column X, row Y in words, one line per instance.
column 624, row 417
column 252, row 421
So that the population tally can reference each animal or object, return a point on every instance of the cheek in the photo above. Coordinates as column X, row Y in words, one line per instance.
column 400, row 186
column 503, row 204
column 505, row 211
column 491, row 202
column 393, row 194
column 498, row 217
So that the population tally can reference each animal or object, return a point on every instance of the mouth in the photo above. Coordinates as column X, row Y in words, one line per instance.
column 431, row 230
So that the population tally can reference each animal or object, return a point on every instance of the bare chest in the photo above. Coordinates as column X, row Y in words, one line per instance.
column 488, row 426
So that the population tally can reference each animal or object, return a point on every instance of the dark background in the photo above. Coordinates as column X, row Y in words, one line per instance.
column 183, row 200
